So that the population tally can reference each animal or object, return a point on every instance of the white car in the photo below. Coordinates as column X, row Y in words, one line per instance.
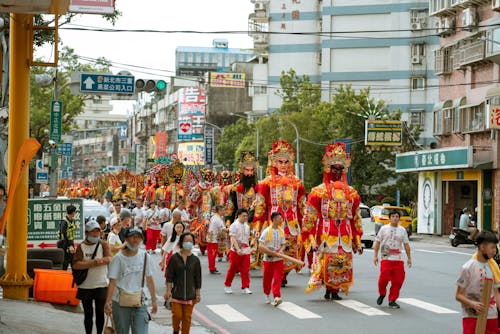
column 369, row 234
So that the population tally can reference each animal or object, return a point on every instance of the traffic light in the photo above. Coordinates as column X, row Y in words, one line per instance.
column 150, row 85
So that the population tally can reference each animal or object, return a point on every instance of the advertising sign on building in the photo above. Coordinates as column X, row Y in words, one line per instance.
column 227, row 80
column 191, row 154
column 92, row 6
column 383, row 133
column 495, row 117
column 191, row 114
column 152, row 147
column 427, row 203
column 445, row 158
column 44, row 216
column 209, row 145
column 161, row 144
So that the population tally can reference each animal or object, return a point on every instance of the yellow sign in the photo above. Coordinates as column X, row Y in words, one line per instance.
column 152, row 147
column 383, row 133
column 227, row 80
column 495, row 117
column 191, row 153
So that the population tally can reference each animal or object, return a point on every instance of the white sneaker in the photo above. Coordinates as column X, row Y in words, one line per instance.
column 246, row 291
column 277, row 301
column 268, row 299
column 228, row 290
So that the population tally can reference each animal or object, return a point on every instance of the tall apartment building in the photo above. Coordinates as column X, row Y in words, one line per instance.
column 385, row 45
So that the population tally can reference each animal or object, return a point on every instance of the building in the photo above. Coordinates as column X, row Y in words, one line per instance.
column 383, row 45
column 463, row 171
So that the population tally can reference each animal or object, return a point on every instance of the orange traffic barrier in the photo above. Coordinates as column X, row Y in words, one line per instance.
column 55, row 286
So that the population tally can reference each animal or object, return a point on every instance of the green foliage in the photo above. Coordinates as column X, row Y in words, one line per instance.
column 229, row 141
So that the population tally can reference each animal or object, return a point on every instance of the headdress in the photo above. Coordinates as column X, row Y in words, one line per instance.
column 336, row 154
column 207, row 174
column 248, row 159
column 282, row 149
column 176, row 171
column 224, row 178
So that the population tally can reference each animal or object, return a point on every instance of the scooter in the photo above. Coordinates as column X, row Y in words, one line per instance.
column 459, row 236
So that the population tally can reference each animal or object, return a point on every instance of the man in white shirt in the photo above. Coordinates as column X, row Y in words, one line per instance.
column 164, row 214
column 215, row 228
column 390, row 240
column 153, row 226
column 138, row 213
column 239, row 256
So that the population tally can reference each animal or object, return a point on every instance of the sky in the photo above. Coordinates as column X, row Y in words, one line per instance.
column 157, row 50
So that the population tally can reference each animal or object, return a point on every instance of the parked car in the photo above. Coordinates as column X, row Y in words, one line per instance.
column 380, row 216
column 369, row 234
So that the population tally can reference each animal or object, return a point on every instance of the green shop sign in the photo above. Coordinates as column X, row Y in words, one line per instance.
column 445, row 158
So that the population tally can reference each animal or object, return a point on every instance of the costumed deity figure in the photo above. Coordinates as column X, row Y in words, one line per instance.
column 332, row 225
column 281, row 191
column 220, row 196
column 200, row 202
column 175, row 191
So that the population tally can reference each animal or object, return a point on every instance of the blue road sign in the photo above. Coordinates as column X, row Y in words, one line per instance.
column 106, row 83
column 42, row 177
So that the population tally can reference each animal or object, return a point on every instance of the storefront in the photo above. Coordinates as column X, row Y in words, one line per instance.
column 450, row 179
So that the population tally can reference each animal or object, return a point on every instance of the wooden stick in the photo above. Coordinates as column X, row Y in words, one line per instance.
column 291, row 259
column 485, row 300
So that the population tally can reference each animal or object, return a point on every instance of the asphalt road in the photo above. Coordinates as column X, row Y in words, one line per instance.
column 427, row 300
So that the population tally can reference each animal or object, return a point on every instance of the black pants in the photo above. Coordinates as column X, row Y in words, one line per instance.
column 88, row 297
column 68, row 258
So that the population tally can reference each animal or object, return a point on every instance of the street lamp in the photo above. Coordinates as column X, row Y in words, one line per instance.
column 221, row 130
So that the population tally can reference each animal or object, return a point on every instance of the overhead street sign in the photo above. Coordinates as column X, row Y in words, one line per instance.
column 106, row 83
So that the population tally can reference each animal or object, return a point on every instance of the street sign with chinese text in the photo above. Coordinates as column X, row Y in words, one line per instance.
column 44, row 216
column 106, row 83
column 386, row 133
column 446, row 158
column 209, row 145
column 56, row 120
column 495, row 117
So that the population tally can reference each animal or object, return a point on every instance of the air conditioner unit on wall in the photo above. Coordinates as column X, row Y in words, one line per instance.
column 416, row 60
column 469, row 17
column 447, row 26
column 260, row 6
column 416, row 26
column 495, row 5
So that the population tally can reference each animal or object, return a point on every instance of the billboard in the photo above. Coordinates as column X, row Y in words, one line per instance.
column 227, row 80
column 191, row 114
column 92, row 6
column 192, row 153
column 383, row 133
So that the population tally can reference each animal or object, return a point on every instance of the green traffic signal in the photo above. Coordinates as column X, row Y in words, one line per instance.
column 150, row 85
column 161, row 85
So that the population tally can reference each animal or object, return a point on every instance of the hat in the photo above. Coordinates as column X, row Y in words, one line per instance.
column 336, row 154
column 92, row 225
column 113, row 221
column 133, row 230
column 465, row 210
column 125, row 213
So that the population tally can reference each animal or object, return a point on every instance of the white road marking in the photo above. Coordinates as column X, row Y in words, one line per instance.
column 428, row 251
column 361, row 308
column 461, row 253
column 228, row 313
column 297, row 311
column 367, row 250
column 426, row 306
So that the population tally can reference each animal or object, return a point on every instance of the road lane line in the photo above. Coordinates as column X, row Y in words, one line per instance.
column 228, row 313
column 297, row 311
column 361, row 308
column 428, row 251
column 426, row 306
column 461, row 253
column 209, row 322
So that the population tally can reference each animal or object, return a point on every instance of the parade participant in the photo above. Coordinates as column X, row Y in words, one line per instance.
column 239, row 256
column 105, row 227
column 164, row 214
column 281, row 191
column 242, row 194
column 174, row 193
column 220, row 195
column 67, row 233
column 470, row 284
column 272, row 242
column 185, row 216
column 215, row 229
column 153, row 226
column 332, row 225
column 93, row 255
column 390, row 239
column 201, row 205
column 138, row 213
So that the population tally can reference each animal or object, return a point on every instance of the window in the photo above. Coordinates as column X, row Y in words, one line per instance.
column 443, row 60
column 473, row 118
column 438, row 122
column 260, row 90
column 456, row 120
column 122, row 144
column 418, row 15
column 418, row 50
column 416, row 117
column 417, row 83
column 447, row 120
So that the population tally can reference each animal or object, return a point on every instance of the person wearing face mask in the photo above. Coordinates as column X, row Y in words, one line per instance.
column 183, row 284
column 127, row 273
column 94, row 288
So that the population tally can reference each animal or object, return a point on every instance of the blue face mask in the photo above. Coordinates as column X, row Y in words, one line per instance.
column 132, row 248
column 93, row 240
column 188, row 245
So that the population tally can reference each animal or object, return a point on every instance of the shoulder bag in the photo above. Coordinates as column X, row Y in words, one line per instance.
column 80, row 275
column 133, row 299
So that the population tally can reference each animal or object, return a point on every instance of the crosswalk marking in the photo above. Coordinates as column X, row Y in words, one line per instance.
column 426, row 306
column 228, row 313
column 297, row 311
column 428, row 251
column 362, row 308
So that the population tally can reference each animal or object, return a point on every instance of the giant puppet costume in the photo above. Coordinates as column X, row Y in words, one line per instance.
column 332, row 225
column 281, row 191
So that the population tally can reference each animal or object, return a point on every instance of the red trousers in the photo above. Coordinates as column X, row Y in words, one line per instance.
column 152, row 238
column 212, row 249
column 469, row 326
column 272, row 276
column 309, row 257
column 239, row 263
column 394, row 272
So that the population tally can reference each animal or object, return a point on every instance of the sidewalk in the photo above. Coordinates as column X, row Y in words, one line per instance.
column 431, row 239
column 30, row 317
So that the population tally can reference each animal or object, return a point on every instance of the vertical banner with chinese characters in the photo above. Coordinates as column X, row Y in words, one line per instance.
column 383, row 133
column 191, row 114
column 44, row 216
column 427, row 203
column 209, row 145
column 161, row 144
column 495, row 117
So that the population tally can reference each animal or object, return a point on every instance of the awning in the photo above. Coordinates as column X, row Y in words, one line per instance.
column 495, row 91
column 484, row 164
column 443, row 104
column 470, row 105
column 459, row 102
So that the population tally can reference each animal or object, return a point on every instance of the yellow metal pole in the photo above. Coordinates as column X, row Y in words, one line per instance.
column 16, row 281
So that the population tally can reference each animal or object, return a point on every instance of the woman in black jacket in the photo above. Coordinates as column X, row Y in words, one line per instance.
column 183, row 284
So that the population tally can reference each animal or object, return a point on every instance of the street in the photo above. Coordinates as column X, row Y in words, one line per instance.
column 427, row 299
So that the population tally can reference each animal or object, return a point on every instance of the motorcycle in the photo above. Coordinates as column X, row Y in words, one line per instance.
column 459, row 236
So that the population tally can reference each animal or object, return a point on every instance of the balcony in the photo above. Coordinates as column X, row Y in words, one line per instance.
column 473, row 51
column 441, row 8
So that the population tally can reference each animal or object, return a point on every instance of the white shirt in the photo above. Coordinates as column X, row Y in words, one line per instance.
column 97, row 277
column 151, row 216
column 242, row 234
column 277, row 240
column 184, row 214
column 391, row 242
column 114, row 239
column 164, row 215
column 215, row 228
column 138, row 213
column 171, row 246
column 167, row 229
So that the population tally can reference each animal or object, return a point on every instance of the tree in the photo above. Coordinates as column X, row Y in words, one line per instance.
column 229, row 141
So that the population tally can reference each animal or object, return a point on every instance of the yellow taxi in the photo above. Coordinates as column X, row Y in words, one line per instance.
column 380, row 216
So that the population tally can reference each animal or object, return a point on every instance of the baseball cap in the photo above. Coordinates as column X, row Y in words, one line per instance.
column 132, row 231
column 113, row 221
column 92, row 225
column 125, row 213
